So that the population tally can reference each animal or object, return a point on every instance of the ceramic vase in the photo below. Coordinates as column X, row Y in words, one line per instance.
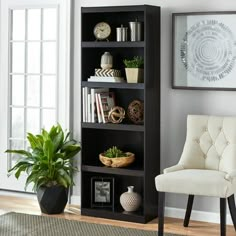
column 106, row 61
column 130, row 200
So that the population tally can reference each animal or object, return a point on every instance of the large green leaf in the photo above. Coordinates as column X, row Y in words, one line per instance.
column 45, row 135
column 48, row 149
column 66, row 176
column 62, row 181
column 66, row 137
column 57, row 141
column 19, row 164
column 20, row 169
column 40, row 141
column 21, row 152
column 34, row 141
column 68, row 143
column 70, row 155
column 55, row 130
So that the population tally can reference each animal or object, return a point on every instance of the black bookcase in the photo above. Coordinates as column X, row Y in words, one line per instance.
column 143, row 140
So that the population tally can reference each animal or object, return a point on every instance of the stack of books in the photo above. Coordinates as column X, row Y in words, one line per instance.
column 107, row 75
column 97, row 102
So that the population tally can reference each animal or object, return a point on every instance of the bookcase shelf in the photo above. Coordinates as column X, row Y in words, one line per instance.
column 112, row 85
column 114, row 171
column 112, row 44
column 143, row 139
column 117, row 214
column 127, row 127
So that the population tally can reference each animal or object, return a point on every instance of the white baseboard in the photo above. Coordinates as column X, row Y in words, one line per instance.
column 18, row 194
column 75, row 199
column 211, row 217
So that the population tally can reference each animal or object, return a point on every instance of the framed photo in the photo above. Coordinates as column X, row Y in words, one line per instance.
column 102, row 192
column 204, row 50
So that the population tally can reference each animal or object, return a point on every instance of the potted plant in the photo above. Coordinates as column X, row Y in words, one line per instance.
column 114, row 157
column 134, row 69
column 49, row 167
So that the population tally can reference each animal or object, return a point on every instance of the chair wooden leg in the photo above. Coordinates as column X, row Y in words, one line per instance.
column 188, row 210
column 223, row 216
column 161, row 208
column 232, row 209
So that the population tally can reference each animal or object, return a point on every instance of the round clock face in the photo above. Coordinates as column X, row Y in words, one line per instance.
column 102, row 30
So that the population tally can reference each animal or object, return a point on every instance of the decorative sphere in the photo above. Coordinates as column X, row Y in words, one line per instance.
column 116, row 115
column 135, row 111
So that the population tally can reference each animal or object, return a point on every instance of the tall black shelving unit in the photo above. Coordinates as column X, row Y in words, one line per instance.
column 143, row 140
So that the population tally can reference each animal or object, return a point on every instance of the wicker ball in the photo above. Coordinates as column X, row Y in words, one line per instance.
column 116, row 115
column 135, row 111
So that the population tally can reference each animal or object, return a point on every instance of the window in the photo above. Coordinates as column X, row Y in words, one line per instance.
column 34, row 71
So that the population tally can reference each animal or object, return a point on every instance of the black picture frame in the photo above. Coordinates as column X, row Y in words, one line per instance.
column 203, row 50
column 102, row 192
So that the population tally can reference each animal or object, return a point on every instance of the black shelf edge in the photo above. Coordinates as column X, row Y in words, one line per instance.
column 112, row 85
column 110, row 9
column 116, row 215
column 109, row 126
column 112, row 44
column 115, row 171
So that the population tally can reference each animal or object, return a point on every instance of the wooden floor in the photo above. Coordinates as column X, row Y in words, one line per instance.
column 29, row 206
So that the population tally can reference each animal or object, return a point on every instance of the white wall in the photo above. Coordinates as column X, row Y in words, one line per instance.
column 175, row 104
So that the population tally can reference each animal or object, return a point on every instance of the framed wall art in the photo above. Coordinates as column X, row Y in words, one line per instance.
column 204, row 50
column 102, row 192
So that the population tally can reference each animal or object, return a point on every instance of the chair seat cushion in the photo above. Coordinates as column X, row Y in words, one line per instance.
column 196, row 182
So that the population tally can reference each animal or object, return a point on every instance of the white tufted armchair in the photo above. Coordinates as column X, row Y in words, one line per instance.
column 207, row 167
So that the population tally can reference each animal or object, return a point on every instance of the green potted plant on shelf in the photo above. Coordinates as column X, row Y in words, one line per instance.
column 134, row 69
column 49, row 166
column 115, row 157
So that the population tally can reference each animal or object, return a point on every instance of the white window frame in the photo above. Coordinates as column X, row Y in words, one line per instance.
column 63, row 72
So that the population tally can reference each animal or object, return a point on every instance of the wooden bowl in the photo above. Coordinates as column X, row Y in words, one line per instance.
column 117, row 161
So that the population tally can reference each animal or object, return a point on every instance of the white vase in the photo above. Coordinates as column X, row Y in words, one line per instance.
column 130, row 200
column 106, row 61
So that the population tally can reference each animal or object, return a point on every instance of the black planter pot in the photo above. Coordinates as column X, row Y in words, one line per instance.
column 52, row 200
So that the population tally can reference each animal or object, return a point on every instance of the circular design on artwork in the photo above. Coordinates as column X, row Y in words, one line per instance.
column 207, row 50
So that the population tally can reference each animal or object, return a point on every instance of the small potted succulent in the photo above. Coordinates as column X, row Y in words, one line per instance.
column 134, row 69
column 114, row 157
column 49, row 167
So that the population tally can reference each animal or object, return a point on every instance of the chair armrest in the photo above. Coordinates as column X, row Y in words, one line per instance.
column 173, row 168
column 230, row 176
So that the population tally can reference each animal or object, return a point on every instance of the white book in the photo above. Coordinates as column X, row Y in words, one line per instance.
column 99, row 115
column 100, row 105
column 89, row 107
column 86, row 103
column 106, row 79
column 83, row 97
column 93, row 102
column 87, row 91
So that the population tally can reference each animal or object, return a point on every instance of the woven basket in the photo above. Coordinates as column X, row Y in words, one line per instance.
column 117, row 161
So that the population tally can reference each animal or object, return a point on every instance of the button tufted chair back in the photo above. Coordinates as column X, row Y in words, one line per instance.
column 210, row 143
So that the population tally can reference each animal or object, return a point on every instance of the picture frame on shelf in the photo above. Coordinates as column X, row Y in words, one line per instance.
column 203, row 47
column 102, row 192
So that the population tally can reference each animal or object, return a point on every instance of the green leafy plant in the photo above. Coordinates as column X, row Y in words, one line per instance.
column 136, row 62
column 49, row 160
column 114, row 152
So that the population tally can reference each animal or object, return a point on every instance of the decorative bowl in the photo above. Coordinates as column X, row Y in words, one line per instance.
column 117, row 161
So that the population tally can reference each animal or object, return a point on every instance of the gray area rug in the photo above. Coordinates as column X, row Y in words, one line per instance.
column 17, row 224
